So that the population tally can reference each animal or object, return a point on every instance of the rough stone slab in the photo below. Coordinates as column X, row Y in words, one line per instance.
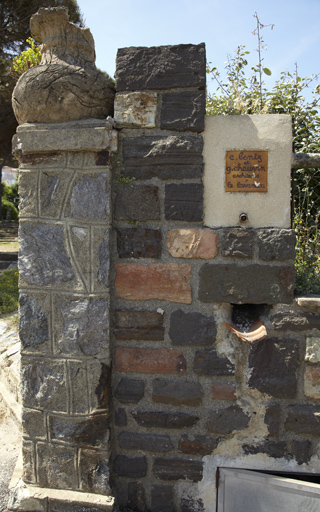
column 192, row 243
column 79, row 387
column 312, row 381
column 276, row 244
column 162, row 498
column 43, row 259
column 87, row 430
column 56, row 466
column 99, row 383
column 166, row 281
column 303, row 420
column 137, row 203
column 161, row 67
column 149, row 360
column 312, row 349
column 29, row 462
column 136, row 109
column 90, row 198
column 275, row 449
column 308, row 302
column 273, row 419
column 129, row 391
column 273, row 365
column 132, row 467
column 33, row 322
column 84, row 135
column 207, row 362
column 94, row 471
column 34, row 424
column 136, row 496
column 184, row 201
column 164, row 157
column 139, row 243
column 295, row 321
column 183, row 110
column 138, row 325
column 53, row 188
column 28, row 193
column 250, row 284
column 177, row 392
column 160, row 419
column 223, row 391
column 178, row 469
column 237, row 243
column 192, row 329
column 225, row 421
column 146, row 442
column 121, row 419
column 100, row 242
column 197, row 444
column 302, row 450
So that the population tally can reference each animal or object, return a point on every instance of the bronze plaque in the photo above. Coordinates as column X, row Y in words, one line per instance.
column 246, row 171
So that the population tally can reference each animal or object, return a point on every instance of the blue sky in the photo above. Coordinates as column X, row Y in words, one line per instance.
column 221, row 24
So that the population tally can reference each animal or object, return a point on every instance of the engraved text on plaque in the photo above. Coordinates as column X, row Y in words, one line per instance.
column 246, row 171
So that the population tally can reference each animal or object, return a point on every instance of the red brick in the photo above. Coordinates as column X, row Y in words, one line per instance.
column 149, row 360
column 223, row 391
column 168, row 281
column 192, row 243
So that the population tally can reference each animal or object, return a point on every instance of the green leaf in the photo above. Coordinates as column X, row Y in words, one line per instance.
column 267, row 71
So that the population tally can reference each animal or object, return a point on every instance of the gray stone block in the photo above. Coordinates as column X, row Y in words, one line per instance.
column 178, row 469
column 274, row 449
column 184, row 201
column 89, row 430
column 144, row 442
column 129, row 391
column 161, row 67
column 138, row 325
column 139, row 243
column 183, row 110
column 177, row 392
column 137, row 203
column 33, row 323
column 165, row 419
column 164, row 157
column 90, row 199
column 34, row 424
column 207, row 362
column 276, row 244
column 162, row 498
column 192, row 329
column 250, row 284
column 56, row 466
column 225, row 421
column 303, row 419
column 28, row 193
column 94, row 471
column 237, row 243
column 132, row 467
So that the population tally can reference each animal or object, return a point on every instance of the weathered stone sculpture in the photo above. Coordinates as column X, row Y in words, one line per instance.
column 66, row 86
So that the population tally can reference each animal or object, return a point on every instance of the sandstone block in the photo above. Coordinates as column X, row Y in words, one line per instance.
column 276, row 244
column 207, row 362
column 250, row 284
column 166, row 281
column 312, row 381
column 162, row 419
column 145, row 442
column 129, row 391
column 225, row 421
column 177, row 392
column 138, row 325
column 312, row 349
column 237, row 243
column 303, row 420
column 163, row 156
column 177, row 469
column 184, row 201
column 197, row 444
column 192, row 329
column 137, row 203
column 132, row 467
column 273, row 365
column 183, row 110
column 139, row 243
column 223, row 391
column 136, row 109
column 149, row 360
column 161, row 67
column 94, row 471
column 192, row 243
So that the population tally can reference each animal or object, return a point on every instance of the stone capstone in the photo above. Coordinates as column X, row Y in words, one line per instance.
column 43, row 259
column 66, row 86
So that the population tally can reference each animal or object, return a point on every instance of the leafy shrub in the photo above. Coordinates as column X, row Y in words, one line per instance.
column 9, row 292
column 7, row 205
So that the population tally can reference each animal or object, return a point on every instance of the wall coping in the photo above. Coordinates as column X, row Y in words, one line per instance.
column 308, row 302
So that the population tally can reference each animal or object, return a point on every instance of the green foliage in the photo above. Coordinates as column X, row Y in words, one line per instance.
column 245, row 93
column 7, row 205
column 27, row 59
column 9, row 293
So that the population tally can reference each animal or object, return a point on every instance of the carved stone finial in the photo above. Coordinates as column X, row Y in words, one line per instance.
column 66, row 86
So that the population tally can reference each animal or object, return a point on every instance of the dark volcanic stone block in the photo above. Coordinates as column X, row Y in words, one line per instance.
column 276, row 244
column 250, row 284
column 132, row 467
column 303, row 419
column 162, row 498
column 238, row 243
column 183, row 110
column 121, row 417
column 138, row 325
column 177, row 392
column 197, row 445
column 161, row 67
column 164, row 157
column 302, row 451
column 139, row 243
column 276, row 449
column 165, row 419
column 207, row 362
column 129, row 391
column 272, row 419
column 225, row 421
column 273, row 365
column 184, row 201
column 136, row 497
column 178, row 469
column 140, row 202
column 145, row 442
column 192, row 329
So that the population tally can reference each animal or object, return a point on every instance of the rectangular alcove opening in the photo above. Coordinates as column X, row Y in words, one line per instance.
column 245, row 315
column 243, row 490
